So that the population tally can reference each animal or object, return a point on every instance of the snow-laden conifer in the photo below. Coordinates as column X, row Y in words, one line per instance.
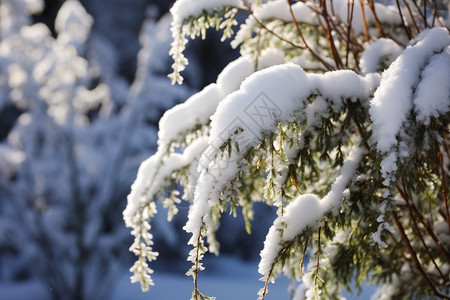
column 336, row 113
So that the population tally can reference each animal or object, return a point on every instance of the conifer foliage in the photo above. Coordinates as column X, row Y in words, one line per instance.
column 336, row 113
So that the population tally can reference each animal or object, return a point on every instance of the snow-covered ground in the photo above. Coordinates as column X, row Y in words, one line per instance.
column 225, row 278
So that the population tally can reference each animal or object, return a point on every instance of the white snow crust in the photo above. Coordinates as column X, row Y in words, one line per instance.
column 306, row 210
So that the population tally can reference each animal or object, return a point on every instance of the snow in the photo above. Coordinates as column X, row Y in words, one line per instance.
column 278, row 9
column 266, row 97
column 302, row 212
column 387, row 14
column 393, row 100
column 147, row 183
column 197, row 109
column 73, row 24
column 305, row 211
column 434, row 78
column 376, row 51
column 183, row 9
column 233, row 74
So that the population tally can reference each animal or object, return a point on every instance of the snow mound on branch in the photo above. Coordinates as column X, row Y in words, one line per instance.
column 435, row 78
column 183, row 9
column 306, row 210
column 370, row 59
column 409, row 81
column 273, row 95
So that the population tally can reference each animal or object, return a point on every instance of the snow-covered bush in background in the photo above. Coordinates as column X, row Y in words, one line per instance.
column 336, row 113
column 69, row 159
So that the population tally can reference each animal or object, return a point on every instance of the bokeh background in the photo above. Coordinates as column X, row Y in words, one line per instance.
column 82, row 87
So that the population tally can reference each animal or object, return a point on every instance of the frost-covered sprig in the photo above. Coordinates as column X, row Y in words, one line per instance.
column 142, row 247
column 193, row 19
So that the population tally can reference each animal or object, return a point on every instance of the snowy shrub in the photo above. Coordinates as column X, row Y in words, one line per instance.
column 336, row 113
column 67, row 162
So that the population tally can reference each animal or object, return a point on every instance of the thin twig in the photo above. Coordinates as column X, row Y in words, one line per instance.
column 266, row 284
column 412, row 16
column 444, row 185
column 350, row 9
column 414, row 256
column 423, row 19
column 303, row 256
column 405, row 196
column 260, row 23
column 336, row 57
column 431, row 233
column 403, row 21
column 316, row 275
column 366, row 30
column 447, row 150
column 197, row 260
column 425, row 13
column 377, row 21
column 295, row 184
column 316, row 56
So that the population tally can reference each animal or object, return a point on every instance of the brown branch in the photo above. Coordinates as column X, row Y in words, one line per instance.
column 412, row 16
column 262, row 25
column 403, row 21
column 316, row 275
column 414, row 256
column 316, row 56
column 447, row 150
column 366, row 30
column 303, row 256
column 377, row 21
column 405, row 196
column 266, row 284
column 435, row 15
column 425, row 13
column 444, row 185
column 422, row 17
column 197, row 260
column 350, row 9
column 336, row 57
column 295, row 184
column 431, row 233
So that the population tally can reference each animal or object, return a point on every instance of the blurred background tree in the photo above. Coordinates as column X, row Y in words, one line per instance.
column 82, row 87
